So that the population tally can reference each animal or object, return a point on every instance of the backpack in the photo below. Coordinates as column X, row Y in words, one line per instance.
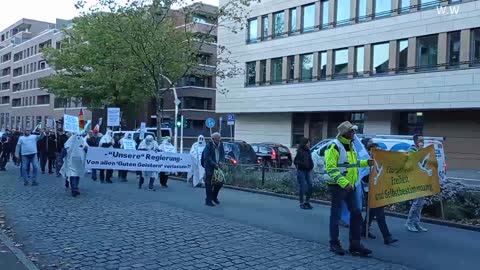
column 202, row 159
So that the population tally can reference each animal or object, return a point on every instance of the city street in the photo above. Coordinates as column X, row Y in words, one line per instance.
column 117, row 226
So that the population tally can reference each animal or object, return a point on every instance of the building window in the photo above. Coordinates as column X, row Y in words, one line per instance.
column 5, row 99
column 263, row 71
column 196, row 103
column 252, row 30
column 298, row 128
column 293, row 20
column 404, row 6
column 306, row 61
column 427, row 51
column 402, row 55
column 411, row 123
column 308, row 18
column 197, row 18
column 325, row 11
column 383, row 8
column 362, row 10
column 358, row 119
column 291, row 68
column 5, row 86
column 279, row 24
column 43, row 99
column 323, row 64
column 276, row 70
column 264, row 27
column 476, row 45
column 427, row 4
column 380, row 56
column 343, row 12
column 251, row 73
column 16, row 102
column 359, row 60
column 454, row 48
column 42, row 65
column 340, row 62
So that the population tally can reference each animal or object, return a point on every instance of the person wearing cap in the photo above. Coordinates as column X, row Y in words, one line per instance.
column 342, row 165
column 27, row 152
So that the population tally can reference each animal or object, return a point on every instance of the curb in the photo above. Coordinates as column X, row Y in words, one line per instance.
column 326, row 203
column 17, row 252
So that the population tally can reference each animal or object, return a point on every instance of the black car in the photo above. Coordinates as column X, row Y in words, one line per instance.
column 273, row 155
column 239, row 152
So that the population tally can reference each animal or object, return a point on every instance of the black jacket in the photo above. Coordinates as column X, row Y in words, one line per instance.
column 51, row 145
column 61, row 140
column 209, row 152
column 93, row 141
column 303, row 160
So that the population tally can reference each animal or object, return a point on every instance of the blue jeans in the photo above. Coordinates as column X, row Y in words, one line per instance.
column 415, row 212
column 304, row 185
column 28, row 160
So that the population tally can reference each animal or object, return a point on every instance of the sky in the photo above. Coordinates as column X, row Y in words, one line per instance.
column 44, row 10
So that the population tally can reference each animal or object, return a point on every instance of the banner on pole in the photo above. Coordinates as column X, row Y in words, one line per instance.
column 50, row 123
column 137, row 160
column 400, row 176
column 71, row 123
column 113, row 117
column 143, row 129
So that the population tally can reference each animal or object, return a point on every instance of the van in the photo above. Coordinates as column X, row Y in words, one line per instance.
column 165, row 132
column 398, row 143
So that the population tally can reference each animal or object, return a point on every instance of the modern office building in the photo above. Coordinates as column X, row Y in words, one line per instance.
column 389, row 66
column 22, row 103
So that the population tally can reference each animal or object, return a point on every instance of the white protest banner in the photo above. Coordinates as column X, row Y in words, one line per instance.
column 113, row 117
column 137, row 160
column 128, row 144
column 71, row 123
column 143, row 128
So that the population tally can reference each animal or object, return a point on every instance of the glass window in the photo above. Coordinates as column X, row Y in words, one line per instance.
column 293, row 20
column 426, row 4
column 362, row 10
column 476, row 45
column 308, row 18
column 325, row 12
column 454, row 48
column 291, row 68
column 404, row 6
column 307, row 67
column 427, row 50
column 341, row 62
column 277, row 70
column 383, row 8
column 252, row 30
column 265, row 27
column 323, row 65
column 359, row 59
column 402, row 55
column 343, row 12
column 251, row 73
column 358, row 119
column 263, row 71
column 279, row 23
column 380, row 56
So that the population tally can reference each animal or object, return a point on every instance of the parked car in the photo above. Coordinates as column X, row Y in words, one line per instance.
column 273, row 155
column 397, row 143
column 239, row 152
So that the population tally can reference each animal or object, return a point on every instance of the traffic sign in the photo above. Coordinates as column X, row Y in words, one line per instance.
column 210, row 123
column 231, row 119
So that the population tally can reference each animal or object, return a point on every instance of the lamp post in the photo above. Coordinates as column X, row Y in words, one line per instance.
column 177, row 103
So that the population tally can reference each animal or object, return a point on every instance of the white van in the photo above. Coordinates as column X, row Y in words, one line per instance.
column 166, row 132
column 399, row 143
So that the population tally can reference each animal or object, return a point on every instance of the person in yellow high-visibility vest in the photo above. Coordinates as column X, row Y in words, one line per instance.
column 341, row 164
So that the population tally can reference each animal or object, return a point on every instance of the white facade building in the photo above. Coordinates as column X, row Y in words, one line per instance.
column 390, row 66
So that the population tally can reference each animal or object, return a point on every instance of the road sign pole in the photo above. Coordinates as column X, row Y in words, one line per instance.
column 231, row 133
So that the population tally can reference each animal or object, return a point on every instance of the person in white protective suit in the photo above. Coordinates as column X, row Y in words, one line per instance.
column 106, row 141
column 148, row 144
column 198, row 172
column 127, row 143
column 166, row 147
column 74, row 153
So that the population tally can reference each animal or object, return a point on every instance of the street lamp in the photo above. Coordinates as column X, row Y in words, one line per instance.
column 177, row 103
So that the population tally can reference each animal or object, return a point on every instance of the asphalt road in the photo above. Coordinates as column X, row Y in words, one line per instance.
column 114, row 226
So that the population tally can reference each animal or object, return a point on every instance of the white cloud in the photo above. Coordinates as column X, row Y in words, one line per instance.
column 43, row 10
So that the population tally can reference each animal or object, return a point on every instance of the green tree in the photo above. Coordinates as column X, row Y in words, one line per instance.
column 126, row 53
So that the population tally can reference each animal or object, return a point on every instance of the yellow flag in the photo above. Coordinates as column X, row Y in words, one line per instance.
column 399, row 176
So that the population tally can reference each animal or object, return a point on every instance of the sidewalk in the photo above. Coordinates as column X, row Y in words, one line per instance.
column 8, row 260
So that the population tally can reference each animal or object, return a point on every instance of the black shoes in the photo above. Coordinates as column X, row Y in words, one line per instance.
column 216, row 201
column 34, row 183
column 359, row 250
column 209, row 204
column 67, row 184
column 337, row 249
column 306, row 206
column 389, row 240
column 75, row 193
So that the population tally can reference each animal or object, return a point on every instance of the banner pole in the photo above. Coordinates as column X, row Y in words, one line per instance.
column 367, row 221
